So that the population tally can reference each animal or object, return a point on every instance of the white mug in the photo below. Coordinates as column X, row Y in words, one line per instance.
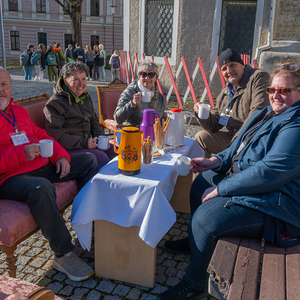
column 46, row 148
column 102, row 142
column 204, row 110
column 183, row 165
column 146, row 96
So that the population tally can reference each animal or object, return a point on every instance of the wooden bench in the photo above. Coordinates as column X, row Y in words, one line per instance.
column 250, row 269
column 16, row 221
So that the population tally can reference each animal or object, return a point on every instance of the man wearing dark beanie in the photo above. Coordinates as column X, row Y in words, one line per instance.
column 244, row 93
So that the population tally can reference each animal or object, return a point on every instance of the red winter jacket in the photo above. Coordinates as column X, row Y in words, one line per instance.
column 12, row 158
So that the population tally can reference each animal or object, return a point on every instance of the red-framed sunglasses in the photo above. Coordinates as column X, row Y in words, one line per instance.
column 282, row 91
column 150, row 75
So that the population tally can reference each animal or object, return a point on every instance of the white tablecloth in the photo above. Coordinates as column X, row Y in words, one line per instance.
column 141, row 200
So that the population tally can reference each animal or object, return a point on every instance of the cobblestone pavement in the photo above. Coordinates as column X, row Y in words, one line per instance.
column 35, row 257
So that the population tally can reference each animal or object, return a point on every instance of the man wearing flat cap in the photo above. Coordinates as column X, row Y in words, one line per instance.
column 245, row 92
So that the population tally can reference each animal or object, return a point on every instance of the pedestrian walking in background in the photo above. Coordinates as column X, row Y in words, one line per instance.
column 115, row 63
column 78, row 53
column 96, row 70
column 25, row 58
column 61, row 58
column 89, row 60
column 51, row 63
column 39, row 60
column 69, row 53
column 102, row 55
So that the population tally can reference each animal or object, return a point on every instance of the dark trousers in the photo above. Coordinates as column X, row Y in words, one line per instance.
column 36, row 189
column 214, row 219
column 90, row 64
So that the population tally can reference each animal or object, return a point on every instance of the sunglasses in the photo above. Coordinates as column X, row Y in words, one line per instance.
column 283, row 91
column 291, row 67
column 149, row 75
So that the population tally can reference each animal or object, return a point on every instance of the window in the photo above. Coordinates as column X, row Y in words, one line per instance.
column 41, row 6
column 94, row 40
column 68, row 40
column 13, row 5
column 237, row 25
column 95, row 8
column 42, row 38
column 14, row 40
column 158, row 27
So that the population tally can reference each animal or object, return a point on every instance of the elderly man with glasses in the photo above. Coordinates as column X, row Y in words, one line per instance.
column 26, row 176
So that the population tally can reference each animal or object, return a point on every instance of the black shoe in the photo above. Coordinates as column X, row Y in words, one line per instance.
column 181, row 291
column 180, row 246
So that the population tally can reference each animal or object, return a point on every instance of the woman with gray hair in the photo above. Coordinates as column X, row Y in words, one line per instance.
column 70, row 117
column 130, row 105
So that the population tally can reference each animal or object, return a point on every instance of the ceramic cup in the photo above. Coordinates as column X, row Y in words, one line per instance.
column 204, row 110
column 146, row 96
column 102, row 142
column 46, row 148
column 183, row 165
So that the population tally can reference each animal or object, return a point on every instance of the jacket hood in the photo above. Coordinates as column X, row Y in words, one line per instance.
column 60, row 88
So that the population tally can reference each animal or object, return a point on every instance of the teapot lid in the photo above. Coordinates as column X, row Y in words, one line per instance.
column 149, row 110
column 176, row 110
column 130, row 129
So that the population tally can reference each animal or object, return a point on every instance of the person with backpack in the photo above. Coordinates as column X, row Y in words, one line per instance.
column 25, row 62
column 96, row 70
column 39, row 60
column 89, row 60
column 61, row 58
column 78, row 53
column 115, row 64
column 51, row 61
column 69, row 53
column 102, row 55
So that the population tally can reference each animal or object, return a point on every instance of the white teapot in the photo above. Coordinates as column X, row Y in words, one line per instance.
column 176, row 130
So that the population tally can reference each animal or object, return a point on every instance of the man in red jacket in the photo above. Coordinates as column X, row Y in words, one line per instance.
column 25, row 176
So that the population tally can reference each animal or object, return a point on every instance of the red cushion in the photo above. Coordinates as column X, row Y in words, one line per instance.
column 35, row 111
column 15, row 217
column 9, row 286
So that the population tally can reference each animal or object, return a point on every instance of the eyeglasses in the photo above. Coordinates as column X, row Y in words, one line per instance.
column 5, row 85
column 283, row 91
column 149, row 75
column 291, row 67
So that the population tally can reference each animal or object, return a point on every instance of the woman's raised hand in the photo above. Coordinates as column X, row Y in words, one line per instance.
column 137, row 99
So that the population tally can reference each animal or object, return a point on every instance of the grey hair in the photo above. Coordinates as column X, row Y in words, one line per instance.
column 76, row 65
column 148, row 66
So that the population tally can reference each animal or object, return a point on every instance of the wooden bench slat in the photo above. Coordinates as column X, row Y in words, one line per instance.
column 273, row 273
column 222, row 263
column 245, row 277
column 293, row 273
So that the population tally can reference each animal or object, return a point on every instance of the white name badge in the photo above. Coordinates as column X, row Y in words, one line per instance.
column 223, row 119
column 19, row 138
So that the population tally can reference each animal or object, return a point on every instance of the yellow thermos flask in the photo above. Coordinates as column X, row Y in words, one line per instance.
column 129, row 160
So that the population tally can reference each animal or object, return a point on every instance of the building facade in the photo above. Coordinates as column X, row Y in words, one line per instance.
column 44, row 21
column 204, row 28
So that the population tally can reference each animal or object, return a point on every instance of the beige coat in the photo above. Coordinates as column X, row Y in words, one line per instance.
column 249, row 96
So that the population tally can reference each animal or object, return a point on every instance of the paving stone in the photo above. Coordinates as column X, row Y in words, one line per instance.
column 28, row 270
column 23, row 260
column 121, row 290
column 60, row 277
column 90, row 283
column 174, row 231
column 180, row 274
column 38, row 243
column 171, row 271
column 43, row 281
column 148, row 297
column 160, row 278
column 171, row 281
column 111, row 298
column 21, row 250
column 160, row 270
column 106, row 286
column 133, row 294
column 38, row 262
column 66, row 290
column 93, row 295
column 182, row 266
column 169, row 263
column 47, row 254
column 54, row 286
column 158, row 289
column 78, row 293
column 30, row 278
column 73, row 283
